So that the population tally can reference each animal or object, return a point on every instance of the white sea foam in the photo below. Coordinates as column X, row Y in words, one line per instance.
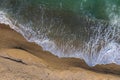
column 109, row 53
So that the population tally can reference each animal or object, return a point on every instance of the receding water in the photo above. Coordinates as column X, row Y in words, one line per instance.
column 86, row 29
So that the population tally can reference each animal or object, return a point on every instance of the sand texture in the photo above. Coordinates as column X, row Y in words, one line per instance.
column 22, row 60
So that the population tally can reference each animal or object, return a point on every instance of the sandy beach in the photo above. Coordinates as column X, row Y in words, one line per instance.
column 22, row 60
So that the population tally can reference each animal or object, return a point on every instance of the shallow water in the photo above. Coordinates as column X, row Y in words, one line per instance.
column 86, row 29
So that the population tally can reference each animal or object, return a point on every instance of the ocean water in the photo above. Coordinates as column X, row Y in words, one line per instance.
column 85, row 29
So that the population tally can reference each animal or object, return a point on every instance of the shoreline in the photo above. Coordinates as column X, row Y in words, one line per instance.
column 16, row 51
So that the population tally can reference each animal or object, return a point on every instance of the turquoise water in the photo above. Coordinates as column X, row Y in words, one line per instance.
column 86, row 29
column 93, row 8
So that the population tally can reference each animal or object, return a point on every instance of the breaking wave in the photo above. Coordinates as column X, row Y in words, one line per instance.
column 84, row 30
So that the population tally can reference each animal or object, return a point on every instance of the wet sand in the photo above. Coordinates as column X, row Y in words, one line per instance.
column 22, row 60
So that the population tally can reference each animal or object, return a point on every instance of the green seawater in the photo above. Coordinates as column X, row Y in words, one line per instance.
column 93, row 8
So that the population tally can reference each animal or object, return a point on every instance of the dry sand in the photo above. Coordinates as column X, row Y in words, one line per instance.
column 21, row 60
